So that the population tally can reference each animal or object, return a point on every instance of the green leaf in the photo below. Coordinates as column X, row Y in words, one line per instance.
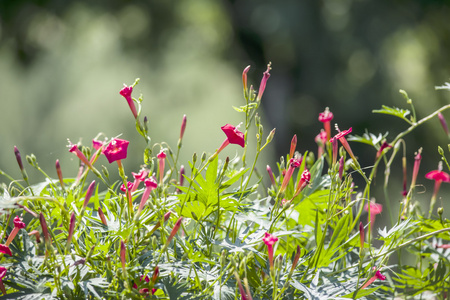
column 368, row 138
column 393, row 111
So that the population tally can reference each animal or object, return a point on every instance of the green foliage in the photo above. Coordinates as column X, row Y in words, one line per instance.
column 217, row 232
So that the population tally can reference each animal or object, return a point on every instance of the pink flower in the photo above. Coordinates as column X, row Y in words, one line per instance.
column 174, row 231
column 326, row 117
column 18, row 224
column 126, row 93
column 293, row 164
column 377, row 275
column 124, row 188
column 97, row 144
column 116, row 150
column 161, row 159
column 138, row 178
column 234, row 136
column 303, row 182
column 375, row 209
column 5, row 249
column 438, row 176
column 74, row 149
column 270, row 240
column 150, row 185
column 341, row 137
column 382, row 147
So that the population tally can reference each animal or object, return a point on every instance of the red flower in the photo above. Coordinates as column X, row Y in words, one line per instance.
column 438, row 176
column 126, row 93
column 18, row 224
column 326, row 117
column 234, row 136
column 138, row 178
column 5, row 249
column 74, row 149
column 375, row 209
column 150, row 185
column 377, row 275
column 341, row 137
column 270, row 240
column 123, row 188
column 97, row 144
column 116, row 150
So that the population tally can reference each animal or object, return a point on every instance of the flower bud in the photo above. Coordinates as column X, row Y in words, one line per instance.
column 18, row 158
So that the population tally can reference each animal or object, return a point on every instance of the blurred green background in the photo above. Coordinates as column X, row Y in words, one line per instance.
column 62, row 64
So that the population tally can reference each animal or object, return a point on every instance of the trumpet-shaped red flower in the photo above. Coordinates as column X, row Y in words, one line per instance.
column 126, row 93
column 234, row 136
column 74, row 149
column 341, row 137
column 161, row 159
column 375, row 209
column 138, row 177
column 5, row 249
column 124, row 188
column 377, row 275
column 303, row 182
column 18, row 224
column 438, row 176
column 150, row 185
column 326, row 117
column 293, row 164
column 270, row 240
column 116, row 150
column 382, row 147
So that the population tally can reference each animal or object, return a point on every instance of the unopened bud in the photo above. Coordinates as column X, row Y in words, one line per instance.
column 203, row 157
column 293, row 146
column 105, row 171
column 18, row 158
column 440, row 211
column 270, row 136
column 194, row 158
column 440, row 150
